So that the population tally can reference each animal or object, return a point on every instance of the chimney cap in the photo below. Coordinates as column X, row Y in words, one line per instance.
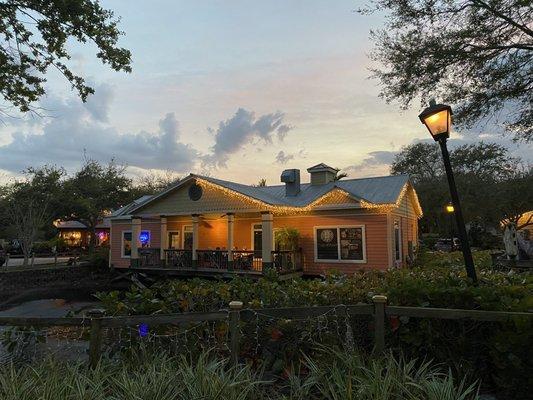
column 321, row 168
column 289, row 175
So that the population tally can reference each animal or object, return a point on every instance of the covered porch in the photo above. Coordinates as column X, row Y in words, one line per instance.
column 205, row 245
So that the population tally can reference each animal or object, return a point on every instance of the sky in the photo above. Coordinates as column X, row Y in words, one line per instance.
column 239, row 90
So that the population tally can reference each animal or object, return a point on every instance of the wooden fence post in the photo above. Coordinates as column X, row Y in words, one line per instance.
column 234, row 319
column 379, row 322
column 95, row 341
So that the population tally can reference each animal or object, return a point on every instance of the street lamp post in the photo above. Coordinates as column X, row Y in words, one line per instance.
column 437, row 118
column 450, row 210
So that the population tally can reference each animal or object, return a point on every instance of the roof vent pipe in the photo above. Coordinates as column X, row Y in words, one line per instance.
column 291, row 178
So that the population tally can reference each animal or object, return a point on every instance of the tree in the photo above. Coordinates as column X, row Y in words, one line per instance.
column 34, row 36
column 474, row 54
column 94, row 191
column 152, row 183
column 261, row 183
column 515, row 198
column 32, row 203
column 481, row 172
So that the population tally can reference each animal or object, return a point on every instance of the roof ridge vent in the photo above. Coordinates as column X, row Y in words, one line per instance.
column 322, row 174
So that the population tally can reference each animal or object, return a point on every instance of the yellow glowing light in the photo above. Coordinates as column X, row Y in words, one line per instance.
column 449, row 208
column 280, row 210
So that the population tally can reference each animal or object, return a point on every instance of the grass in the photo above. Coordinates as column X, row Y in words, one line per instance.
column 332, row 375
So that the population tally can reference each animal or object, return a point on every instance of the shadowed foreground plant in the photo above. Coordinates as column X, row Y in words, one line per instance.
column 341, row 376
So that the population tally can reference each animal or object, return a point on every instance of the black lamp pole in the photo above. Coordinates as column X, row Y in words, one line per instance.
column 465, row 246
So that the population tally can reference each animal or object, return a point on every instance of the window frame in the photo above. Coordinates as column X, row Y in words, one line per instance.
column 400, row 241
column 122, row 255
column 338, row 259
column 184, row 229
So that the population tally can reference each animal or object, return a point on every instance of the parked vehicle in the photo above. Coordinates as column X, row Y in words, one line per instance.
column 446, row 244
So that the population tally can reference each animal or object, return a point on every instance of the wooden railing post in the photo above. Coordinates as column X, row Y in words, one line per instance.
column 234, row 319
column 379, row 322
column 95, row 341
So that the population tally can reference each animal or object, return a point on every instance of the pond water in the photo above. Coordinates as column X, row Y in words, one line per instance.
column 36, row 344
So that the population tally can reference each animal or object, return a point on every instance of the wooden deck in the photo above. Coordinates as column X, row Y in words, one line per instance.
column 208, row 272
column 214, row 263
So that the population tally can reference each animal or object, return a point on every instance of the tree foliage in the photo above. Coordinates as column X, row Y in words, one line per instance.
column 34, row 36
column 32, row 202
column 491, row 184
column 474, row 54
column 94, row 191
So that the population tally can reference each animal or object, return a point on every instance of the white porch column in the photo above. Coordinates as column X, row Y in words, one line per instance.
column 231, row 223
column 195, row 220
column 267, row 222
column 164, row 238
column 135, row 241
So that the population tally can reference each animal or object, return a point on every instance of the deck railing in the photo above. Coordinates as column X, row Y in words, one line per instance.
column 287, row 260
column 245, row 260
column 215, row 259
column 149, row 257
column 178, row 258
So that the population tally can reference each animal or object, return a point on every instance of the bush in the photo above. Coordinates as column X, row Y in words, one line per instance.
column 161, row 377
column 498, row 352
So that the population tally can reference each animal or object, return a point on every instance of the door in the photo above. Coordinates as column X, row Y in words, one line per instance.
column 258, row 241
column 187, row 237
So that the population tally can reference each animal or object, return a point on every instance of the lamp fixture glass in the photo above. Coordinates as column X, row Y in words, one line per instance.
column 437, row 118
column 449, row 208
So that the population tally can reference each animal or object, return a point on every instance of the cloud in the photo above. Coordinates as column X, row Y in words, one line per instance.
column 76, row 128
column 242, row 129
column 283, row 158
column 376, row 161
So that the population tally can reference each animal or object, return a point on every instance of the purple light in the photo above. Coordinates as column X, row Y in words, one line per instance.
column 144, row 237
column 143, row 330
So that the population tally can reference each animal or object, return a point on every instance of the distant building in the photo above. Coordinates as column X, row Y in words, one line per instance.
column 76, row 234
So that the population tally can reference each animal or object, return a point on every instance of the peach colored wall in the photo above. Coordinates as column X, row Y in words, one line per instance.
column 116, row 244
column 213, row 234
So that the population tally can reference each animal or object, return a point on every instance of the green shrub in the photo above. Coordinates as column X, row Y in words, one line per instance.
column 148, row 376
column 498, row 352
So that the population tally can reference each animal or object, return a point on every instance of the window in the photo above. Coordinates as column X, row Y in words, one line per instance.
column 340, row 244
column 187, row 237
column 126, row 244
column 397, row 242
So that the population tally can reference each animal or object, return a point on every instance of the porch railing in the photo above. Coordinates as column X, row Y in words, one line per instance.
column 215, row 259
column 178, row 258
column 149, row 257
column 246, row 260
column 287, row 260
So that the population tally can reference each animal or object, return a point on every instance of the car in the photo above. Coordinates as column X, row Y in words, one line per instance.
column 446, row 244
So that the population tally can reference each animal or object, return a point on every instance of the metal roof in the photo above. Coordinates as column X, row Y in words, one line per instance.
column 377, row 190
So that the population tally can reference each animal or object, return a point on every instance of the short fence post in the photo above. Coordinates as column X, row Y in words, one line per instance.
column 379, row 322
column 95, row 341
column 55, row 258
column 7, row 260
column 234, row 319
column 32, row 259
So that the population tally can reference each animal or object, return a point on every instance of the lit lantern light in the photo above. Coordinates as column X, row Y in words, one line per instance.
column 437, row 118
column 449, row 208
column 144, row 238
